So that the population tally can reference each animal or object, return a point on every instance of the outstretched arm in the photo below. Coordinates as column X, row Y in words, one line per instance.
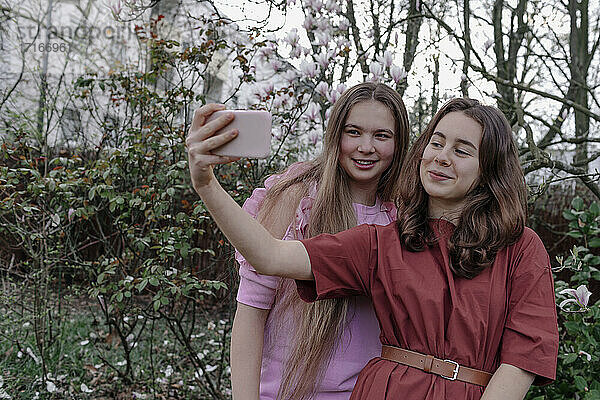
column 266, row 254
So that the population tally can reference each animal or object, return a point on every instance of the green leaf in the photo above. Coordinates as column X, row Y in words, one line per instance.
column 570, row 358
column 568, row 215
column 119, row 297
column 153, row 281
column 142, row 285
column 595, row 242
column 595, row 209
column 577, row 203
column 580, row 382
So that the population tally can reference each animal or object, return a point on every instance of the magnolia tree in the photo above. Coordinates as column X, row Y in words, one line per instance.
column 112, row 204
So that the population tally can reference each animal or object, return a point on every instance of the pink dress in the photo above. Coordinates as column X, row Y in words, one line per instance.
column 360, row 340
column 506, row 314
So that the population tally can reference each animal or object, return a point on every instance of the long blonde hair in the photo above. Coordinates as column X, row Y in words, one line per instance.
column 319, row 325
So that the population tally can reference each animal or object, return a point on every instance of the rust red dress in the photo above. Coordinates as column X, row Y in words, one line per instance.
column 507, row 314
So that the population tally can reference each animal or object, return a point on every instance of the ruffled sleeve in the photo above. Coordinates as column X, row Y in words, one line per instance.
column 258, row 290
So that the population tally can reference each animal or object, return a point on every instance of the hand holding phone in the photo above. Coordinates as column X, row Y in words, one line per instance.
column 254, row 138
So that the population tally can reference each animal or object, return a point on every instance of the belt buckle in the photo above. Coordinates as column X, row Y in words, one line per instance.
column 455, row 372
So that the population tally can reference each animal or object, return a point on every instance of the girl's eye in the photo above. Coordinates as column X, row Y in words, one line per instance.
column 462, row 152
column 352, row 132
column 436, row 145
column 383, row 136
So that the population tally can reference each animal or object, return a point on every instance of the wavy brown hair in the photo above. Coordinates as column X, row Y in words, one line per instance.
column 320, row 324
column 494, row 212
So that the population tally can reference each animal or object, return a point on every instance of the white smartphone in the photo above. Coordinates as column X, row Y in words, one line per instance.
column 254, row 138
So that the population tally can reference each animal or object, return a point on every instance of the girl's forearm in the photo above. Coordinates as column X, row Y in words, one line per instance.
column 508, row 383
column 266, row 254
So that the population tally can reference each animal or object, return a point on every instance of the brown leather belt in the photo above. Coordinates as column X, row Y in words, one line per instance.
column 447, row 369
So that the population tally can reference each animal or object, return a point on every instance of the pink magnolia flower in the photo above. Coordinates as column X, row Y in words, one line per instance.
column 70, row 214
column 581, row 296
column 341, row 88
column 290, row 75
column 308, row 22
column 276, row 64
column 116, row 8
column 376, row 69
column 344, row 24
column 328, row 113
column 322, row 59
column 312, row 113
column 333, row 96
column 296, row 52
column 397, row 73
column 314, row 4
column 322, row 88
column 322, row 38
column 309, row 69
column 292, row 37
column 386, row 59
column 333, row 6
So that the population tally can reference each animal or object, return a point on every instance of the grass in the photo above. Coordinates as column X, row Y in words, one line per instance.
column 85, row 360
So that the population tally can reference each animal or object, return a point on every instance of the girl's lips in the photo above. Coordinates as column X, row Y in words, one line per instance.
column 364, row 164
column 438, row 176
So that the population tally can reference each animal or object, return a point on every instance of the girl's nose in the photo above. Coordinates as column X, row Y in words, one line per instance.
column 366, row 144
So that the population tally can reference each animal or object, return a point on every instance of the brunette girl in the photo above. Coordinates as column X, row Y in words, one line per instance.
column 462, row 290
column 301, row 350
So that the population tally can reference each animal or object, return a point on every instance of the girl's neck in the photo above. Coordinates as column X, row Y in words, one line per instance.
column 363, row 194
column 442, row 210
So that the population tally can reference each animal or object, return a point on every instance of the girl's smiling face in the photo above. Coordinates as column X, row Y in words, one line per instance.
column 449, row 167
column 367, row 145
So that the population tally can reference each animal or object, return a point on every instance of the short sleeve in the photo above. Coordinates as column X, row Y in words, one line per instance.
column 342, row 264
column 530, row 337
column 258, row 290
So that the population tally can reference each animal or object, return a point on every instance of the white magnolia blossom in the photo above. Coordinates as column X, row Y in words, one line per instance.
column 397, row 73
column 587, row 355
column 322, row 59
column 308, row 22
column 323, row 24
column 51, row 387
column 290, row 75
column 333, row 96
column 296, row 52
column 386, row 59
column 344, row 24
column 292, row 37
column 376, row 69
column 313, row 137
column 85, row 389
column 168, row 371
column 322, row 88
column 279, row 101
column 309, row 69
column 314, row 4
column 328, row 113
column 312, row 112
column 322, row 38
column 333, row 6
column 341, row 88
column 581, row 296
column 211, row 368
column 31, row 354
column 276, row 64
column 291, row 2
